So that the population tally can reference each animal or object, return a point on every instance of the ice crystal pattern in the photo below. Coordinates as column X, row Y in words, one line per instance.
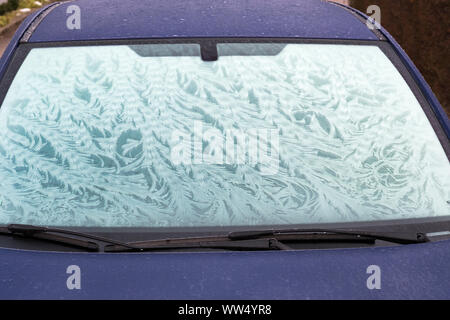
column 85, row 139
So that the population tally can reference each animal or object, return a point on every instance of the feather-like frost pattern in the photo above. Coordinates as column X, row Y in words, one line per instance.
column 86, row 139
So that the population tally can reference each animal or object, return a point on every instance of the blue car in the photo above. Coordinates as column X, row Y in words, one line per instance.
column 221, row 150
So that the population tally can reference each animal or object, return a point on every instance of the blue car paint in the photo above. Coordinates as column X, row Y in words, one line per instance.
column 407, row 272
column 197, row 18
column 412, row 271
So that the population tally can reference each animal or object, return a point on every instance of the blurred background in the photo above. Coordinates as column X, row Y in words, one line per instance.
column 422, row 27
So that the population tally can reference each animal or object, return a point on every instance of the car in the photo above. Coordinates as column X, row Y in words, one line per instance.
column 229, row 150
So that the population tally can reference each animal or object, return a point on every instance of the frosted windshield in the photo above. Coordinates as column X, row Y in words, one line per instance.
column 105, row 136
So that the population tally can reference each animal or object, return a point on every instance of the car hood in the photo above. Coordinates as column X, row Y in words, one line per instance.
column 406, row 272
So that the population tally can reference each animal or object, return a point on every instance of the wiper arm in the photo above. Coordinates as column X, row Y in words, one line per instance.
column 210, row 242
column 400, row 238
column 58, row 235
column 270, row 239
column 248, row 245
column 267, row 239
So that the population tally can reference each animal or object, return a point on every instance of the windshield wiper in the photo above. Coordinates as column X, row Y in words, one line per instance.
column 270, row 239
column 60, row 236
column 212, row 242
column 317, row 234
column 266, row 239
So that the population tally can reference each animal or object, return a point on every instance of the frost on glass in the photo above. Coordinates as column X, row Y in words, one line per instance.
column 85, row 139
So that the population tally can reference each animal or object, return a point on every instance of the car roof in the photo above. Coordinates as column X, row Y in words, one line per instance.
column 127, row 19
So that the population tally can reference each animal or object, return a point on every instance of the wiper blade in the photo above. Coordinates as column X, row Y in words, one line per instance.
column 247, row 245
column 203, row 242
column 400, row 238
column 270, row 239
column 59, row 236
